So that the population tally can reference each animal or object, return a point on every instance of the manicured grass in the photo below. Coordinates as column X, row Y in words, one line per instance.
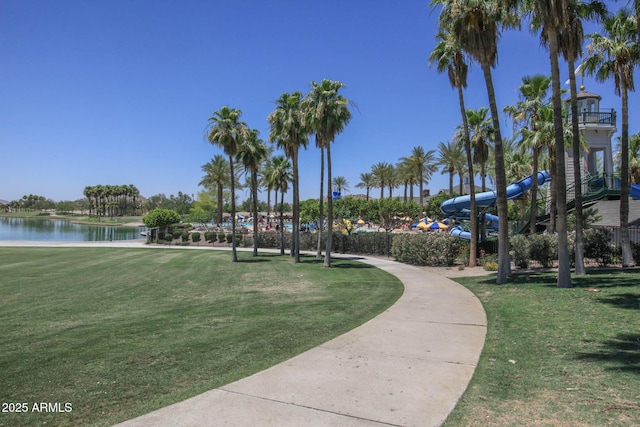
column 120, row 332
column 557, row 357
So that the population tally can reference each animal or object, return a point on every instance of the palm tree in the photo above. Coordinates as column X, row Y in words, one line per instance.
column 449, row 158
column 634, row 157
column 328, row 115
column 423, row 164
column 252, row 153
column 482, row 133
column 367, row 182
column 615, row 54
column 448, row 56
column 288, row 131
column 380, row 172
column 227, row 131
column 475, row 24
column 572, row 37
column 280, row 177
column 533, row 94
column 340, row 183
column 216, row 176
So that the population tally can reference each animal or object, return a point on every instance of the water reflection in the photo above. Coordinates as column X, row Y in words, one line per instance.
column 61, row 230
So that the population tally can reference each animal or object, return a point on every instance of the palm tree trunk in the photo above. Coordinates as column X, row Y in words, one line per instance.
column 533, row 214
column 327, row 253
column 220, row 203
column 254, row 190
column 234, row 255
column 295, row 235
column 504, row 264
column 473, row 214
column 420, row 184
column 627, row 254
column 321, row 216
column 564, row 264
column 577, row 173
column 281, row 219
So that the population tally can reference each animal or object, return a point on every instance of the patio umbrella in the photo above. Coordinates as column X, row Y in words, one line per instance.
column 423, row 225
column 438, row 226
column 360, row 221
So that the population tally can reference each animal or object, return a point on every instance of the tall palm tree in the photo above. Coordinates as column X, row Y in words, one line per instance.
column 448, row 56
column 449, row 155
column 423, row 164
column 367, row 182
column 616, row 53
column 634, row 157
column 340, row 183
column 288, row 131
column 216, row 176
column 482, row 133
column 227, row 132
column 572, row 37
column 476, row 26
column 328, row 115
column 280, row 176
column 252, row 152
column 532, row 94
column 380, row 173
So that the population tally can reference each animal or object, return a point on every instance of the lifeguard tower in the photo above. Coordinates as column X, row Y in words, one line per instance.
column 598, row 127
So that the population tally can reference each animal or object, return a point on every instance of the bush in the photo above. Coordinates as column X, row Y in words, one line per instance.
column 222, row 237
column 635, row 250
column 168, row 237
column 229, row 237
column 597, row 245
column 185, row 237
column 209, row 236
column 543, row 248
column 426, row 249
column 520, row 250
column 195, row 237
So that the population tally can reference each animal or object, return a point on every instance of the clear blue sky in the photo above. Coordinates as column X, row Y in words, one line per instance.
column 119, row 92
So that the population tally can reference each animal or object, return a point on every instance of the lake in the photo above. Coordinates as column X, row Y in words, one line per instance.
column 62, row 230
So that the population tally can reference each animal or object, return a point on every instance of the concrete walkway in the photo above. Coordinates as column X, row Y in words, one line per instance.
column 407, row 367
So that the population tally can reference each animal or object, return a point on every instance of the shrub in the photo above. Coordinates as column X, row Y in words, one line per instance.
column 490, row 266
column 520, row 250
column 597, row 245
column 229, row 237
column 635, row 250
column 195, row 237
column 543, row 248
column 168, row 237
column 426, row 249
column 184, row 236
column 222, row 237
column 177, row 234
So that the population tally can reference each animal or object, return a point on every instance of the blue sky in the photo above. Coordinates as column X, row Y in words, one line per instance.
column 119, row 92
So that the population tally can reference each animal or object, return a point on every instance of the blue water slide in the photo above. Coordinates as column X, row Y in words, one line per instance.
column 458, row 231
column 634, row 191
column 488, row 198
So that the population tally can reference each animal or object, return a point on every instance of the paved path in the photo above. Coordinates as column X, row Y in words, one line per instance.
column 406, row 367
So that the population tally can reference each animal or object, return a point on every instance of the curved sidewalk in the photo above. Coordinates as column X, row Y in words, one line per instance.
column 408, row 366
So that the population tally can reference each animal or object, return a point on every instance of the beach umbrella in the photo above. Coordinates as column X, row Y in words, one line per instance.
column 438, row 226
column 238, row 217
column 423, row 226
column 360, row 221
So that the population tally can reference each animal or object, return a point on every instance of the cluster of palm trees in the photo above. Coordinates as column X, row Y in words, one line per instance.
column 470, row 29
column 112, row 200
column 323, row 112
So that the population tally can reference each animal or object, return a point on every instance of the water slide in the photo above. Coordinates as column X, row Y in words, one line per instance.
column 488, row 198
column 634, row 191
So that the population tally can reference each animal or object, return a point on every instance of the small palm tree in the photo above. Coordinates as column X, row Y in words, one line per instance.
column 424, row 165
column 367, row 182
column 280, row 176
column 216, row 176
column 340, row 183
column 252, row 152
column 450, row 155
column 227, row 131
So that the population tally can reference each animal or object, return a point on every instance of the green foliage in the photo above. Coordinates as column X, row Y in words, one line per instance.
column 184, row 236
column 195, row 237
column 520, row 250
column 229, row 237
column 426, row 249
column 309, row 211
column 222, row 237
column 168, row 237
column 209, row 236
column 598, row 246
column 543, row 248
column 161, row 218
column 433, row 207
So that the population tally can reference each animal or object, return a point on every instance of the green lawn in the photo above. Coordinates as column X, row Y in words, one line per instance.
column 119, row 332
column 557, row 357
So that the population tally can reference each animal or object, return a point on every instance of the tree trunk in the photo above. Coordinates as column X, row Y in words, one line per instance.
column 295, row 235
column 577, row 173
column 321, row 216
column 234, row 255
column 627, row 254
column 473, row 214
column 504, row 263
column 281, row 219
column 254, row 190
column 533, row 214
column 327, row 253
column 564, row 264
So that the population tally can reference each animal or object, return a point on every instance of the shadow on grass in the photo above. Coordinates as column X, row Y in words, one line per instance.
column 342, row 262
column 626, row 300
column 621, row 353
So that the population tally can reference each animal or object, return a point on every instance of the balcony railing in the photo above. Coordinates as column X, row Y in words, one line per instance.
column 597, row 118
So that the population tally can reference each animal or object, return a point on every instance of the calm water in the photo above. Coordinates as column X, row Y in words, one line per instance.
column 60, row 230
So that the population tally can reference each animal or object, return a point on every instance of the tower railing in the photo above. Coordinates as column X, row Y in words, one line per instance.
column 597, row 117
